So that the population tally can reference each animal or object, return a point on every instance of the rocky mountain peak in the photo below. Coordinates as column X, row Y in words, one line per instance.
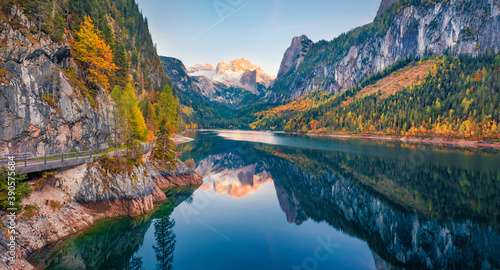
column 238, row 65
column 294, row 55
column 415, row 29
column 228, row 83
column 243, row 73
column 199, row 67
column 384, row 5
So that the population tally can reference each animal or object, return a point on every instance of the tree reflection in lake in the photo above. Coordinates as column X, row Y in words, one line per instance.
column 135, row 263
column 439, row 211
column 113, row 243
column 165, row 243
column 386, row 208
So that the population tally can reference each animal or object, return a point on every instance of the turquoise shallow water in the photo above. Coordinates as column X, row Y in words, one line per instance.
column 277, row 201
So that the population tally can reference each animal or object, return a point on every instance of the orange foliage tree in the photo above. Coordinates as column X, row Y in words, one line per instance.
column 94, row 54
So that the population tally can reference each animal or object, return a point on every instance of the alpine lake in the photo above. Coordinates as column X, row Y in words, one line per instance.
column 279, row 201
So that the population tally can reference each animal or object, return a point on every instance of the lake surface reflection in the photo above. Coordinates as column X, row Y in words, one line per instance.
column 276, row 201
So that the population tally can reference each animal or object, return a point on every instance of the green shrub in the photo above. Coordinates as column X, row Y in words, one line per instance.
column 21, row 189
column 30, row 211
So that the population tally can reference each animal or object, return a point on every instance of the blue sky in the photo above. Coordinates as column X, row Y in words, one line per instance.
column 210, row 31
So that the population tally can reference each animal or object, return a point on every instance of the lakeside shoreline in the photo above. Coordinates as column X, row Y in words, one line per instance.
column 75, row 216
column 180, row 139
column 432, row 141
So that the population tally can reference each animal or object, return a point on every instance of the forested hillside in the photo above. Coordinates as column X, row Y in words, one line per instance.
column 98, row 47
column 405, row 28
column 427, row 69
column 118, row 22
column 459, row 98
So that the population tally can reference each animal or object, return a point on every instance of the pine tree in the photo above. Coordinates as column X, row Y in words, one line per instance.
column 121, row 61
column 129, row 112
column 167, row 124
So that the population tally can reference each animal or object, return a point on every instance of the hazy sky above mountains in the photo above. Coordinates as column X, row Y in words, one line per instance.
column 210, row 31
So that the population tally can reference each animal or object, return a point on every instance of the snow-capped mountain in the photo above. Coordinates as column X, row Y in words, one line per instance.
column 237, row 73
column 206, row 70
column 237, row 83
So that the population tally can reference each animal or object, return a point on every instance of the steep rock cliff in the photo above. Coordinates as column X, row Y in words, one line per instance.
column 172, row 175
column 100, row 185
column 294, row 55
column 464, row 27
column 177, row 73
column 40, row 110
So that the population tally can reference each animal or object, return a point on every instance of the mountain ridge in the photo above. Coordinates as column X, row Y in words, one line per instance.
column 401, row 29
column 294, row 55
column 228, row 83
column 238, row 72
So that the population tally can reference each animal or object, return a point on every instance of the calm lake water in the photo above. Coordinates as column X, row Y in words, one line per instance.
column 276, row 201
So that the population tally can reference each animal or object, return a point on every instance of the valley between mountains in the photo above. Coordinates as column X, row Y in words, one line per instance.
column 85, row 76
column 421, row 69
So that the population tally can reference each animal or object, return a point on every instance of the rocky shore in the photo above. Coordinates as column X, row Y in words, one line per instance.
column 73, row 199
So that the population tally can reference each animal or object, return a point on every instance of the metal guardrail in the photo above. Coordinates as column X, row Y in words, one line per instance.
column 34, row 164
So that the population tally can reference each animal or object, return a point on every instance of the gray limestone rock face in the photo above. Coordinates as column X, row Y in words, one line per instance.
column 414, row 31
column 41, row 112
column 100, row 185
column 294, row 55
column 175, row 174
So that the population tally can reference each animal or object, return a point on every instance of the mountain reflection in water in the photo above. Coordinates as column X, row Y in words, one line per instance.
column 386, row 205
column 418, row 212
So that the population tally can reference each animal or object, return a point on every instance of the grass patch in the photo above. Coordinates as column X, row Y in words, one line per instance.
column 55, row 205
column 52, row 101
column 119, row 162
column 190, row 163
column 397, row 81
column 29, row 211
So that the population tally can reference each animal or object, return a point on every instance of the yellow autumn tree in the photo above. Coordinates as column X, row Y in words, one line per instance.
column 136, row 120
column 94, row 54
